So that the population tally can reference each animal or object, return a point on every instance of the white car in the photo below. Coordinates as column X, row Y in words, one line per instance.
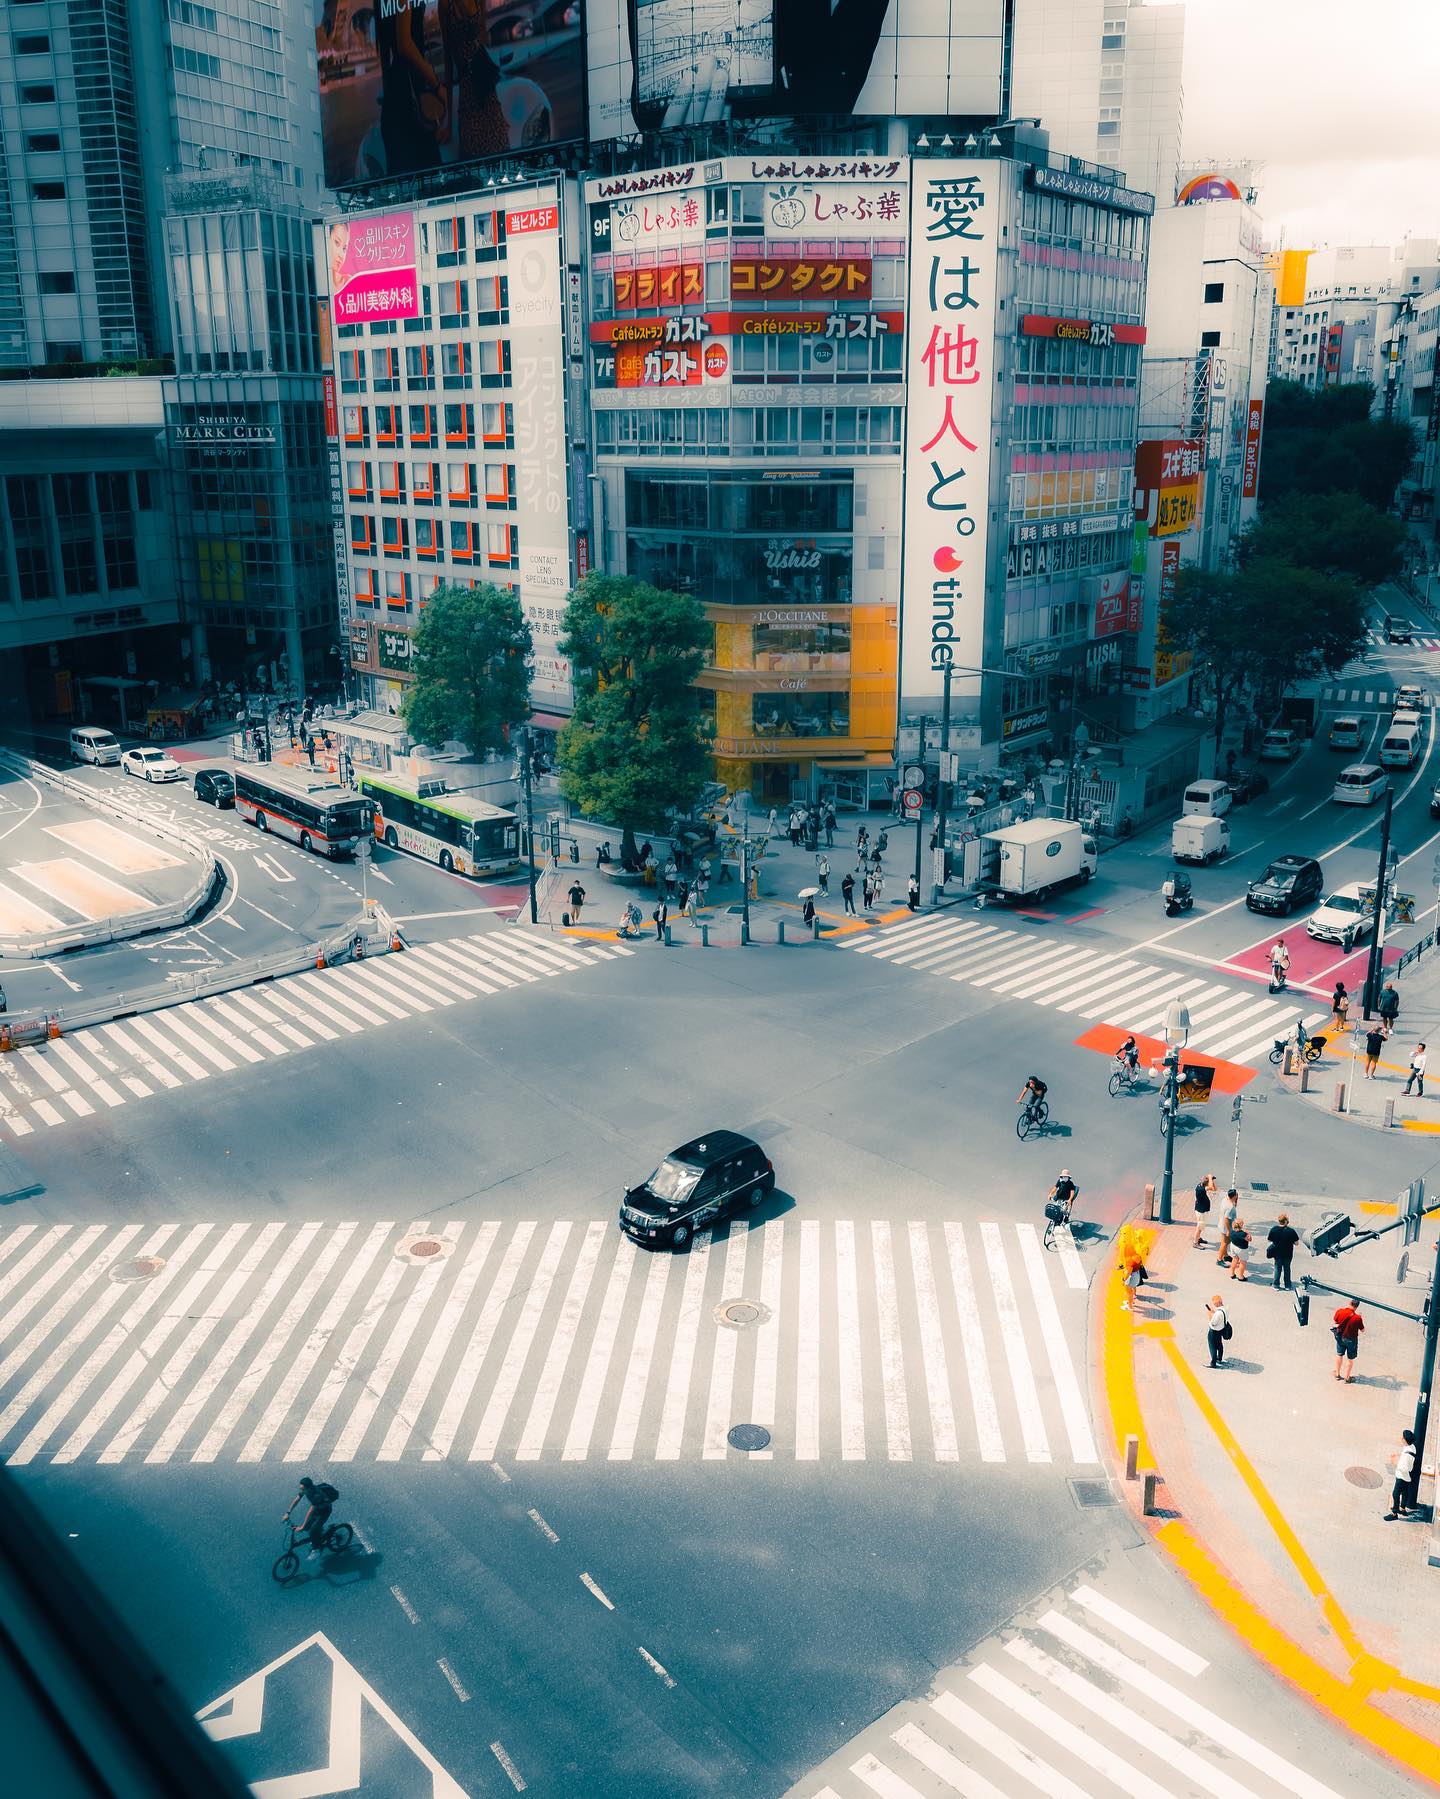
column 150, row 765
column 1347, row 734
column 1344, row 916
column 1279, row 746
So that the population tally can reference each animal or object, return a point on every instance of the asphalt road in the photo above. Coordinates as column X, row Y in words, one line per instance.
column 790, row 1602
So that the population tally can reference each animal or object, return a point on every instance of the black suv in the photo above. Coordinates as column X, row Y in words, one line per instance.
column 696, row 1185
column 215, row 787
column 1288, row 882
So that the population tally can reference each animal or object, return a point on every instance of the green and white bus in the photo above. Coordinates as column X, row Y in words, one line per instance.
column 464, row 835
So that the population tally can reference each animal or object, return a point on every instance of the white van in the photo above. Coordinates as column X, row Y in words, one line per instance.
column 1206, row 799
column 89, row 743
column 1400, row 746
column 1360, row 785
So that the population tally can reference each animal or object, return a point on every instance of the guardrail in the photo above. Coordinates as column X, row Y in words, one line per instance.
column 37, row 945
column 1414, row 953
column 375, row 930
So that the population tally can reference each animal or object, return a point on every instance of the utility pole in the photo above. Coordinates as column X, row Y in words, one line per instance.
column 1377, row 941
column 745, row 883
column 1172, row 1107
column 529, row 818
column 941, row 797
column 1427, row 1375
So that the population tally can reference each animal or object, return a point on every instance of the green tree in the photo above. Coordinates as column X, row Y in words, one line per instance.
column 634, row 751
column 1264, row 626
column 470, row 676
column 1325, row 441
column 1337, row 533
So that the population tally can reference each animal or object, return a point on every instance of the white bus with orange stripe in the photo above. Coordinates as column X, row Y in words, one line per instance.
column 312, row 810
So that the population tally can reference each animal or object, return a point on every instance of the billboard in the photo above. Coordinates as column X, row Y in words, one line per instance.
column 663, row 64
column 1254, row 415
column 950, row 376
column 1168, row 471
column 407, row 86
column 372, row 268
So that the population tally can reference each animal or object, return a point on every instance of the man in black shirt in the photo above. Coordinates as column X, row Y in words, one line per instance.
column 1282, row 1240
column 1063, row 1192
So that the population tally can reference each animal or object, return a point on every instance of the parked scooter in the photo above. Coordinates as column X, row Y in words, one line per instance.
column 1177, row 895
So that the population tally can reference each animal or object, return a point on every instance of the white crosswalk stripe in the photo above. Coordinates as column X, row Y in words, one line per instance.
column 1077, row 1696
column 112, row 1064
column 1227, row 1019
column 875, row 1340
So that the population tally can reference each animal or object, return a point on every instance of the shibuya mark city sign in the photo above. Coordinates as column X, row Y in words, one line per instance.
column 949, row 358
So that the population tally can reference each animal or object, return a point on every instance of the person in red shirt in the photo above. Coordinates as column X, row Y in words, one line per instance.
column 1346, row 1331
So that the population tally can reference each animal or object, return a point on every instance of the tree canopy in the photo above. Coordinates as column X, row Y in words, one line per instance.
column 1265, row 625
column 470, row 668
column 633, row 752
column 1325, row 441
column 1338, row 533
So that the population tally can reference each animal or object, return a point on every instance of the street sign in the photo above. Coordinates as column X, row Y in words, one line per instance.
column 1038, row 659
column 912, row 803
column 913, row 775
column 950, row 771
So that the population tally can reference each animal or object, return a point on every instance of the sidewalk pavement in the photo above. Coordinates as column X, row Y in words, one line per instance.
column 1343, row 1060
column 1274, row 1477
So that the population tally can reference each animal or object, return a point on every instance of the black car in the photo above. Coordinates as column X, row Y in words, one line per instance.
column 1397, row 630
column 215, row 786
column 1247, row 784
column 696, row 1185
column 1288, row 882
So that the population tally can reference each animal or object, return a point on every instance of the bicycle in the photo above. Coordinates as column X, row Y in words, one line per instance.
column 1126, row 1080
column 1034, row 1117
column 1057, row 1217
column 287, row 1564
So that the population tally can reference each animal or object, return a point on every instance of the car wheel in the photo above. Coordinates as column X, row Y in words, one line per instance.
column 1040, row 895
column 306, row 842
column 447, row 862
column 260, row 824
column 1085, row 874
column 680, row 1236
column 392, row 842
column 757, row 1196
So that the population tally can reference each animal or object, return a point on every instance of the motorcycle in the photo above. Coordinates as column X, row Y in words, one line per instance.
column 1177, row 895
column 1279, row 976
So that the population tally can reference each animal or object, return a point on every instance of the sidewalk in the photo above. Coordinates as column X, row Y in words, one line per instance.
column 1274, row 1477
column 1365, row 1100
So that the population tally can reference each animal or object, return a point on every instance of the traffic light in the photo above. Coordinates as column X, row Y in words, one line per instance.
column 1302, row 1308
column 1327, row 1236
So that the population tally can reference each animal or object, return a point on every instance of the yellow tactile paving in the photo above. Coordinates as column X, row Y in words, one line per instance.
column 117, row 849
column 92, row 895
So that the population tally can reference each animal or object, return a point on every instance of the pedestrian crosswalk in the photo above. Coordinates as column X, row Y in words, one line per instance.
column 1377, row 696
column 1127, row 988
column 1420, row 640
column 1082, row 1695
column 76, row 1075
column 847, row 1340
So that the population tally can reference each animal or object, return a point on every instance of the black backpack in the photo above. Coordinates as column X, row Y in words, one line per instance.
column 322, row 1493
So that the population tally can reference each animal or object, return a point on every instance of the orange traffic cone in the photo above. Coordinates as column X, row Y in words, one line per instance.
column 396, row 940
column 320, row 959
column 52, row 1027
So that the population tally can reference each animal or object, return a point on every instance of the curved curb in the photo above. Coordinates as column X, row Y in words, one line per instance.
column 1346, row 1699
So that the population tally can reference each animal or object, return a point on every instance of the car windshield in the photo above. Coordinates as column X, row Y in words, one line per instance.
column 1343, row 902
column 1280, row 877
column 673, row 1181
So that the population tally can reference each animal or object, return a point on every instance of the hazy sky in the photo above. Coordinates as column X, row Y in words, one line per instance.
column 1338, row 99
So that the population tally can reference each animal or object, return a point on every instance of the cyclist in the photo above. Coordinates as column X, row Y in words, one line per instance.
column 1032, row 1093
column 1279, row 963
column 321, row 1497
column 1062, row 1196
column 1127, row 1057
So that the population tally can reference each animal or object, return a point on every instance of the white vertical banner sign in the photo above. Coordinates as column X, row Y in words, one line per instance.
column 950, row 380
column 542, row 489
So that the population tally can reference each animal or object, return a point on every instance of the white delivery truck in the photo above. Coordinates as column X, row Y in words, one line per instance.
column 1199, row 837
column 1027, row 861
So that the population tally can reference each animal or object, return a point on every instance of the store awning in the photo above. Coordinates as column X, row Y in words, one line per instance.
column 547, row 721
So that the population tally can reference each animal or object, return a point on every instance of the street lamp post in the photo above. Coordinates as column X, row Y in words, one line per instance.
column 529, row 818
column 937, row 867
column 1177, row 1034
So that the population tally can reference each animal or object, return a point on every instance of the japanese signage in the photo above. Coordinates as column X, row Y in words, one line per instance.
column 661, row 364
column 1084, row 331
column 1167, row 483
column 652, row 284
column 831, row 325
column 954, row 230
column 1169, row 662
column 793, row 210
column 1114, row 610
column 800, row 278
column 394, row 650
column 372, row 268
column 1088, row 187
column 636, row 222
column 1254, row 415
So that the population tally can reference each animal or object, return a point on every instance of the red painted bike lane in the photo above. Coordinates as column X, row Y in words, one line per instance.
column 1314, row 966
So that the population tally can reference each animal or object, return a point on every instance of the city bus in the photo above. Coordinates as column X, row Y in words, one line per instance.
column 465, row 835
column 310, row 809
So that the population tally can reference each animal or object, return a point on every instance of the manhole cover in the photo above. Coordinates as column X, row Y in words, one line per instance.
column 1091, row 1493
column 424, row 1249
column 1364, row 1477
column 1259, row 1186
column 741, row 1314
column 138, row 1268
column 748, row 1436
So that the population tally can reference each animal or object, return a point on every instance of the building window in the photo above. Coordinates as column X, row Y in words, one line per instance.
column 357, row 425
column 47, row 190
column 460, row 426
column 502, row 546
column 395, row 536
column 63, row 349
column 77, row 566
column 419, row 365
column 42, row 143
column 362, row 534
column 57, row 281
column 460, row 483
column 387, row 424
column 38, row 45
column 462, row 539
column 454, row 304
column 496, row 427
column 425, row 480
column 38, row 93
column 455, row 365
column 1108, row 128
column 357, row 480
column 449, row 242
column 422, row 425
column 427, row 538
column 121, row 569
column 392, row 481
column 362, row 586
column 499, row 484
column 1209, row 340
column 385, row 370
column 1214, row 292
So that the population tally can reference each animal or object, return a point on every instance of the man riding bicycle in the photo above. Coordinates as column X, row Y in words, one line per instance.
column 1032, row 1093
column 1062, row 1197
column 321, row 1497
